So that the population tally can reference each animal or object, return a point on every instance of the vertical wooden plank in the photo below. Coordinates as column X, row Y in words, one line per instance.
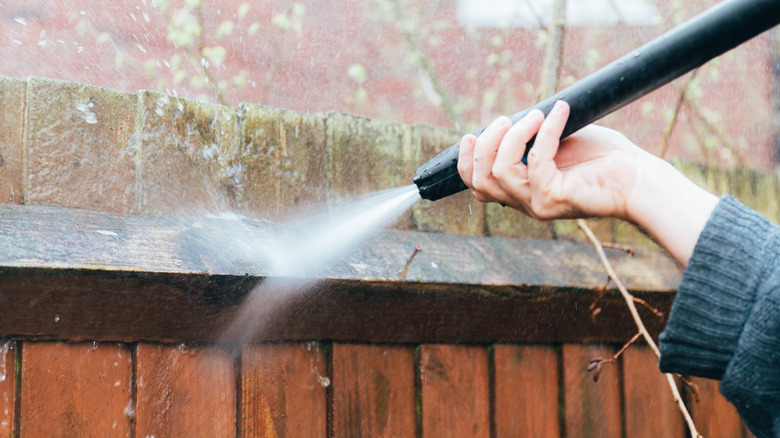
column 526, row 391
column 455, row 394
column 713, row 415
column 373, row 391
column 75, row 390
column 283, row 391
column 79, row 146
column 12, row 108
column 591, row 408
column 7, row 388
column 650, row 410
column 184, row 391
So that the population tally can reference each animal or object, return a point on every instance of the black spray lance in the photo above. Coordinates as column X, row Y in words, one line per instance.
column 658, row 62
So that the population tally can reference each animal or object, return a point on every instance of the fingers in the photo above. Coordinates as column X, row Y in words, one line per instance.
column 485, row 150
column 541, row 164
column 512, row 148
column 466, row 158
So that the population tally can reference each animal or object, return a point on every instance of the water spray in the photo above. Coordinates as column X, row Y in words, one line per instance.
column 671, row 55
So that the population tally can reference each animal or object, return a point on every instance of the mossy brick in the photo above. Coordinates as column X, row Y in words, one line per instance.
column 769, row 188
column 742, row 185
column 693, row 171
column 629, row 234
column 12, row 101
column 717, row 180
column 508, row 222
column 368, row 155
column 460, row 213
column 568, row 229
column 188, row 155
column 283, row 161
column 79, row 148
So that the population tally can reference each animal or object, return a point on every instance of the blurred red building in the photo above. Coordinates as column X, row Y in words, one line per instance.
column 382, row 59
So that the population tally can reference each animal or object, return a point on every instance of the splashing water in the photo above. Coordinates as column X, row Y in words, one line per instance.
column 319, row 242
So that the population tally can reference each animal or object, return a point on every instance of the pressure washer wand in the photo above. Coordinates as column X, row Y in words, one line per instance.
column 658, row 62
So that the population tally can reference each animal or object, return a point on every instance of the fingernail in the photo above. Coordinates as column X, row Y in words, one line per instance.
column 558, row 105
column 500, row 121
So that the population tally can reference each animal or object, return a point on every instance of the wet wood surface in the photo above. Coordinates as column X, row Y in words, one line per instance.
column 650, row 410
column 526, row 391
column 79, row 389
column 373, row 391
column 102, row 276
column 591, row 408
column 713, row 415
column 184, row 391
column 283, row 390
column 7, row 388
column 455, row 391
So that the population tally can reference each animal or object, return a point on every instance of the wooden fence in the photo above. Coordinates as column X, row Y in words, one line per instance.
column 111, row 305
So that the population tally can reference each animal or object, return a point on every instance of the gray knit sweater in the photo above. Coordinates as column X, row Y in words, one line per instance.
column 725, row 321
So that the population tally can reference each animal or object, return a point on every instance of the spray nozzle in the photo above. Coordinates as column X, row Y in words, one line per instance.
column 658, row 62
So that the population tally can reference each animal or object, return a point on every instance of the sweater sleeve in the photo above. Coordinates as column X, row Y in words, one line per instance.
column 725, row 321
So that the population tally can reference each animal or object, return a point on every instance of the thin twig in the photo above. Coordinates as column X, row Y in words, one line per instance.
column 619, row 247
column 628, row 298
column 681, row 97
column 415, row 45
column 597, row 362
column 408, row 263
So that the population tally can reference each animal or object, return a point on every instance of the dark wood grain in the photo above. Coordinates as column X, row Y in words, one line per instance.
column 455, row 399
column 283, row 390
column 75, row 390
column 184, row 391
column 526, row 391
column 650, row 411
column 373, row 391
column 591, row 408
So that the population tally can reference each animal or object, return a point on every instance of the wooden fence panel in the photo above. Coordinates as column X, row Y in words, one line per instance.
column 284, row 390
column 591, row 408
column 649, row 407
column 455, row 391
column 713, row 415
column 7, row 388
column 526, row 391
column 75, row 389
column 373, row 391
column 184, row 391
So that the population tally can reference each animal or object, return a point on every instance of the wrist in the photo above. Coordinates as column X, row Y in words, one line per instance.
column 670, row 207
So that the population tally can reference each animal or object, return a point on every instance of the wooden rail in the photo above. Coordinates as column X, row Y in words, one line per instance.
column 85, row 275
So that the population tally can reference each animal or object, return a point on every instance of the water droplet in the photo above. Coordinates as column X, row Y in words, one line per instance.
column 324, row 381
column 636, row 54
column 56, row 318
column 20, row 20
column 94, row 345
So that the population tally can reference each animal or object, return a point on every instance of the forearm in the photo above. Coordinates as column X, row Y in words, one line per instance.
column 670, row 207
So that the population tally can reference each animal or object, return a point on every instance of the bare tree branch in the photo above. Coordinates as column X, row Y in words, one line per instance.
column 629, row 299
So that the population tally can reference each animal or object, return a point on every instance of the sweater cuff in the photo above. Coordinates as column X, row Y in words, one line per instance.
column 717, row 292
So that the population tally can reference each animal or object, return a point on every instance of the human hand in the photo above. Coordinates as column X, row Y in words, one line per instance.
column 596, row 172
column 591, row 173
